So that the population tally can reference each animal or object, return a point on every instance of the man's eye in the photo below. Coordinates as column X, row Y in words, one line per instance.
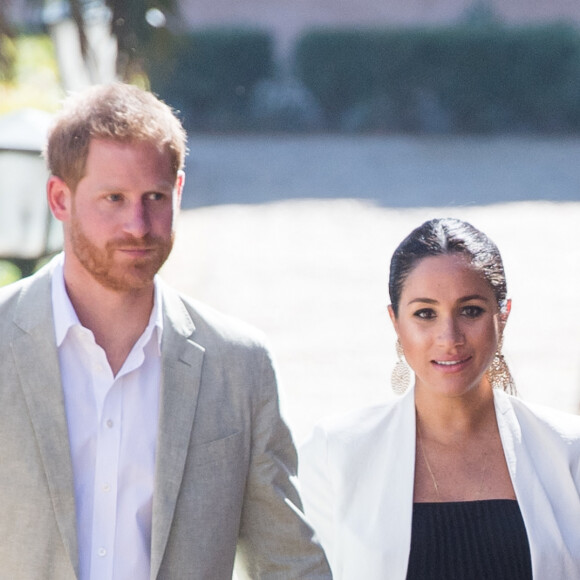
column 114, row 197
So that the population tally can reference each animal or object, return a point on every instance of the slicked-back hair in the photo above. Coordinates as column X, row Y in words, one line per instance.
column 444, row 236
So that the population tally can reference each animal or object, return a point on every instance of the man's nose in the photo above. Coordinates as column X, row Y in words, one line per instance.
column 137, row 221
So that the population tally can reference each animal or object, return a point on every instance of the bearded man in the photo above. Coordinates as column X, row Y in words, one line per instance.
column 141, row 433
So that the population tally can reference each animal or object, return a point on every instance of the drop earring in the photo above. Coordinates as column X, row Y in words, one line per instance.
column 401, row 376
column 499, row 374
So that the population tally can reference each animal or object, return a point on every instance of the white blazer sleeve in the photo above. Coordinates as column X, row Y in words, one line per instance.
column 316, row 488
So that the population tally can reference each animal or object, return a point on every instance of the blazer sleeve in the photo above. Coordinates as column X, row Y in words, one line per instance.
column 316, row 488
column 275, row 540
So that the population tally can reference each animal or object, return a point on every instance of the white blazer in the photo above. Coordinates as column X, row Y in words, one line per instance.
column 357, row 473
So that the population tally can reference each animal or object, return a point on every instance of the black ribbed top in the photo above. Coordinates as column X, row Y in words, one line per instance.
column 470, row 540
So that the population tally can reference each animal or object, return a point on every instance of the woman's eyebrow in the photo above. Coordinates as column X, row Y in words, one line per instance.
column 462, row 299
column 423, row 300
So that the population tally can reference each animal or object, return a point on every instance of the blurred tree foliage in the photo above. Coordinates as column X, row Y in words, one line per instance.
column 7, row 54
column 138, row 25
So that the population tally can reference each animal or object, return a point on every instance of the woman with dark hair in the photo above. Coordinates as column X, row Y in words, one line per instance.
column 456, row 478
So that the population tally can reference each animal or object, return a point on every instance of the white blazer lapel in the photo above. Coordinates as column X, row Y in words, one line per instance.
column 545, row 491
column 378, row 496
column 395, row 510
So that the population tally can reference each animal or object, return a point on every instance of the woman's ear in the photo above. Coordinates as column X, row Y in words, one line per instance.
column 393, row 317
column 505, row 312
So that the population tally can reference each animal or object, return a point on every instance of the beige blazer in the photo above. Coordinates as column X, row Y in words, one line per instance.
column 357, row 472
column 225, row 459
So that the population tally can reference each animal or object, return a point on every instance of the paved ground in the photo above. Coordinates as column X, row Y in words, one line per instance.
column 294, row 236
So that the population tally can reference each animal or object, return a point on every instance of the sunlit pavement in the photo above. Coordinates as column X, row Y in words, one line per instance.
column 305, row 262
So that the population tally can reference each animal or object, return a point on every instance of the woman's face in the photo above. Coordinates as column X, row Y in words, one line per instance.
column 449, row 324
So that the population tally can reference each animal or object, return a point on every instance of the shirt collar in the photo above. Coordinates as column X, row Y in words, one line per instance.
column 65, row 316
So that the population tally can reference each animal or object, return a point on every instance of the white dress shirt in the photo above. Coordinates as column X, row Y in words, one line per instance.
column 112, row 423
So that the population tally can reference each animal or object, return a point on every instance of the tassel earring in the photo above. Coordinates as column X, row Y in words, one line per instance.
column 499, row 374
column 401, row 376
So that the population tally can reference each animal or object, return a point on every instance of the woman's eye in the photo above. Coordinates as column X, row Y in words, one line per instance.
column 473, row 311
column 425, row 313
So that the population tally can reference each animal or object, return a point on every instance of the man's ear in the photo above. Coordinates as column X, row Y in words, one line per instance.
column 59, row 198
column 179, row 182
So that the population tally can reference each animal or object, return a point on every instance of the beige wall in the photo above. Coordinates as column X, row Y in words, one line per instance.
column 288, row 17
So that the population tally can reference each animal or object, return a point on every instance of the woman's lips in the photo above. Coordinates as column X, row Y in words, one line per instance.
column 451, row 365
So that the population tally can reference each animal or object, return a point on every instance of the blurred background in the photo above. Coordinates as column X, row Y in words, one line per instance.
column 321, row 133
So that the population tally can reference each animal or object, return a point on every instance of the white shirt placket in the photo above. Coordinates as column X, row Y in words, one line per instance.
column 106, row 478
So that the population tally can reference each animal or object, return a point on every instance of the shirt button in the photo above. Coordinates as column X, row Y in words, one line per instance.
column 110, row 423
column 106, row 487
column 102, row 552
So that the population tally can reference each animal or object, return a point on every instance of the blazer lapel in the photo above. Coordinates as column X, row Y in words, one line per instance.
column 392, row 517
column 36, row 359
column 181, row 371
column 538, row 474
column 377, row 494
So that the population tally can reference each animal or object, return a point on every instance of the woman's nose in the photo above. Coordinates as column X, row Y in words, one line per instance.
column 450, row 331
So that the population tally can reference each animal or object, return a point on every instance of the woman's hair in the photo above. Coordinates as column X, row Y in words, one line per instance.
column 444, row 236
column 118, row 112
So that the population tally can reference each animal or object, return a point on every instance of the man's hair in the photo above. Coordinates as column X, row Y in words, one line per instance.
column 117, row 112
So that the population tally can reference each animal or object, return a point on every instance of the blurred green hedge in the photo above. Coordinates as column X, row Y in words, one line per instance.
column 209, row 74
column 460, row 79
column 456, row 79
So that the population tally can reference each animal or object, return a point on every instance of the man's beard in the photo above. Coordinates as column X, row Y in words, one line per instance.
column 120, row 276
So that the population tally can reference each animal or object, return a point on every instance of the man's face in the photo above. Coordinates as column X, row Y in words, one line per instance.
column 120, row 223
